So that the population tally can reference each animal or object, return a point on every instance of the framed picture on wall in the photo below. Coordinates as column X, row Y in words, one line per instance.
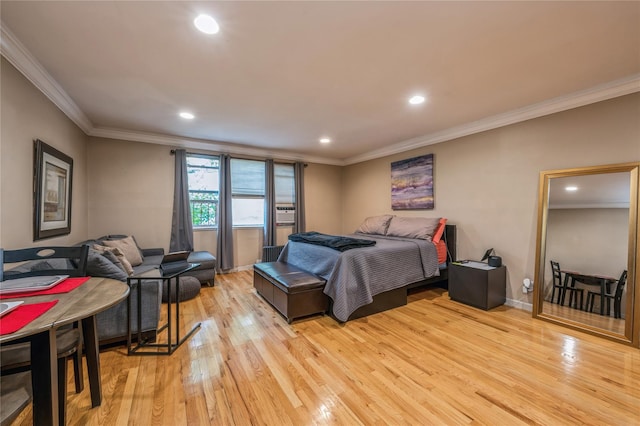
column 412, row 183
column 52, row 192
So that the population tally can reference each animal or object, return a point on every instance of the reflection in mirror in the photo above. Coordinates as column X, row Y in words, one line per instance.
column 587, row 226
column 587, row 235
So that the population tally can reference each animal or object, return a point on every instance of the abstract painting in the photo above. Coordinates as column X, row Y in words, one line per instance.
column 412, row 183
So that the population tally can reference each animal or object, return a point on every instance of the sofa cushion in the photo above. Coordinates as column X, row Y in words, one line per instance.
column 128, row 269
column 128, row 247
column 98, row 265
column 114, row 259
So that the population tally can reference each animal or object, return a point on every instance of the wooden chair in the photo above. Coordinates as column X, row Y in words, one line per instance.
column 557, row 282
column 616, row 296
column 15, row 358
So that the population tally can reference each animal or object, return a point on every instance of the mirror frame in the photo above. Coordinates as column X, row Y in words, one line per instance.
column 632, row 318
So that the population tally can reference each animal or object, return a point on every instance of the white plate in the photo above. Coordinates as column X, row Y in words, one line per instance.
column 6, row 307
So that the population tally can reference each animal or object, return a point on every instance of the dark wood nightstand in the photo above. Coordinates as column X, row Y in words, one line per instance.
column 477, row 284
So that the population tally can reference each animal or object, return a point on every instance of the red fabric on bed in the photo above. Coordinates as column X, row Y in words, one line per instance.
column 441, row 248
column 439, row 231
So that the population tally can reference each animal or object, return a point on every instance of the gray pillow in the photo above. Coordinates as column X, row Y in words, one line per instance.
column 113, row 259
column 413, row 227
column 99, row 266
column 376, row 225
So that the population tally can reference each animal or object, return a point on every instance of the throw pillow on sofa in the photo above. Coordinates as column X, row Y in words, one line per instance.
column 99, row 265
column 128, row 247
column 128, row 269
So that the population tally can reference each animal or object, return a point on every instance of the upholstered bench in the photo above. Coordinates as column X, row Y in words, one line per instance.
column 293, row 292
column 206, row 272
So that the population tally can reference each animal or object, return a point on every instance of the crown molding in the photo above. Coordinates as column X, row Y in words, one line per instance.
column 610, row 90
column 206, row 145
column 18, row 55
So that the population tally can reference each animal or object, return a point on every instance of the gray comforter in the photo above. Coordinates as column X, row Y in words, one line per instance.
column 355, row 276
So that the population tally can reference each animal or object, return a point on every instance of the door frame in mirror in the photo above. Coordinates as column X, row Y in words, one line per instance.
column 631, row 335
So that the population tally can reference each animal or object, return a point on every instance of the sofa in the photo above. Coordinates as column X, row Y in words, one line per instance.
column 112, row 323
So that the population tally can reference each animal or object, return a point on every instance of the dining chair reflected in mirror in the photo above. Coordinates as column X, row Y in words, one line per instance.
column 16, row 357
column 557, row 282
column 616, row 297
column 574, row 292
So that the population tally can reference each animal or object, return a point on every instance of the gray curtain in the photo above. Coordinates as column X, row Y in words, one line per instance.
column 225, row 221
column 270, row 205
column 300, row 225
column 181, row 225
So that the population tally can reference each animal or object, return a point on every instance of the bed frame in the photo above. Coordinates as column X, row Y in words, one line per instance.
column 398, row 297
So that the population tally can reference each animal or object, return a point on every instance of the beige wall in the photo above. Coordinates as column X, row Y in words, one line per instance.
column 487, row 183
column 131, row 192
column 26, row 114
column 323, row 198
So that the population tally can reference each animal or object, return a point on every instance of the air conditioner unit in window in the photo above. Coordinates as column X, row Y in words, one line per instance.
column 285, row 214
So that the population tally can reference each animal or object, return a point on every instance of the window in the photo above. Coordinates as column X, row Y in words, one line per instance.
column 203, row 177
column 247, row 191
column 284, row 184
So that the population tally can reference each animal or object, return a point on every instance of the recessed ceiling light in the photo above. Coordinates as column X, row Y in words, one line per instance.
column 206, row 24
column 187, row 115
column 325, row 140
column 571, row 188
column 416, row 100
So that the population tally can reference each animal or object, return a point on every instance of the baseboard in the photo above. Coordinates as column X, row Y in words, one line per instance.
column 518, row 304
column 238, row 269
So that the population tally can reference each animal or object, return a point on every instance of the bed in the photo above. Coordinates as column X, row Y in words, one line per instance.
column 366, row 280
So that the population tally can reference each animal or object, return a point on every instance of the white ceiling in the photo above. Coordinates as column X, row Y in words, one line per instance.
column 279, row 75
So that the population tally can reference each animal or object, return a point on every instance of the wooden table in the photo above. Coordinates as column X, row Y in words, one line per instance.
column 589, row 279
column 80, row 304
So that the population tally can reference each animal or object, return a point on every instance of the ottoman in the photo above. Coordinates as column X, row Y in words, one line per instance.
column 206, row 272
column 189, row 288
column 293, row 292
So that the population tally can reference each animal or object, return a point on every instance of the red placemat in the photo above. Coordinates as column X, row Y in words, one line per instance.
column 64, row 287
column 23, row 315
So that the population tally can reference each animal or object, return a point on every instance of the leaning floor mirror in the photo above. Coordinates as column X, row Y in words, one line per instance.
column 586, row 253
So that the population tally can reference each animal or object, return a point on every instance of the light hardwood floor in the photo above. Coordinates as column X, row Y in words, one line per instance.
column 431, row 362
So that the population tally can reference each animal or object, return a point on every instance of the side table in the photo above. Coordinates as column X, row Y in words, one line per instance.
column 158, row 348
column 477, row 284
